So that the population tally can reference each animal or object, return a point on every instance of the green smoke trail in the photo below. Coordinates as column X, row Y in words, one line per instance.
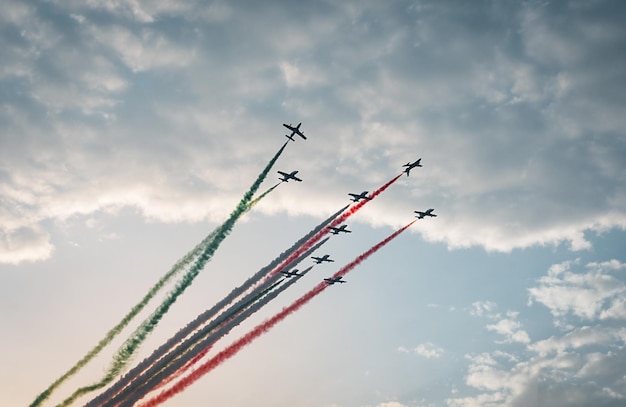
column 176, row 268
column 130, row 346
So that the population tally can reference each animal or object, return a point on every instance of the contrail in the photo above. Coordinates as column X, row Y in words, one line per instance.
column 200, row 348
column 202, row 318
column 131, row 345
column 262, row 328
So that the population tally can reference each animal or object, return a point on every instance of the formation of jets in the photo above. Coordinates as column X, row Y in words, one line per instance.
column 319, row 260
column 294, row 130
column 287, row 176
column 358, row 197
column 332, row 281
column 336, row 230
column 428, row 212
column 409, row 166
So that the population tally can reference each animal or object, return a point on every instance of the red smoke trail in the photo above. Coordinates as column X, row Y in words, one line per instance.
column 338, row 221
column 262, row 328
column 183, row 369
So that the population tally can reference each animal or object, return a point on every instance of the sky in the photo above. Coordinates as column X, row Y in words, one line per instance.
column 129, row 130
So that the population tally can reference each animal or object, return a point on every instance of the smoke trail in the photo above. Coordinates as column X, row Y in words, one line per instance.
column 339, row 220
column 262, row 328
column 176, row 268
column 210, row 312
column 157, row 360
column 263, row 195
column 200, row 348
column 179, row 266
column 148, row 325
column 155, row 366
column 203, row 353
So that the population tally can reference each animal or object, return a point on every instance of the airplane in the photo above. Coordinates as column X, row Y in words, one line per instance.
column 287, row 176
column 294, row 130
column 411, row 165
column 293, row 273
column 342, row 228
column 322, row 259
column 332, row 281
column 362, row 195
column 429, row 212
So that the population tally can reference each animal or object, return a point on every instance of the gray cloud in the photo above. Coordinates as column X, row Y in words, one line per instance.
column 515, row 109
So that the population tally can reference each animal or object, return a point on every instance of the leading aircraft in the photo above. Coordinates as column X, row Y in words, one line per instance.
column 293, row 273
column 332, row 281
column 429, row 212
column 411, row 165
column 342, row 228
column 358, row 197
column 287, row 176
column 294, row 130
column 319, row 260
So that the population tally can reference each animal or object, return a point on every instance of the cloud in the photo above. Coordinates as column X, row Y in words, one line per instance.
column 24, row 244
column 146, row 50
column 427, row 350
column 391, row 404
column 484, row 308
column 510, row 328
column 578, row 365
column 576, row 339
column 588, row 295
column 518, row 119
column 554, row 381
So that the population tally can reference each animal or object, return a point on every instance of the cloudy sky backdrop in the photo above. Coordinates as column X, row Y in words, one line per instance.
column 130, row 129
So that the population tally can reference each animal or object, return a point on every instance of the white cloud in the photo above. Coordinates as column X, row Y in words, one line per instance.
column 583, row 294
column 617, row 310
column 24, row 244
column 484, row 308
column 427, row 350
column 510, row 328
column 576, row 339
column 515, row 387
column 583, row 366
column 545, row 380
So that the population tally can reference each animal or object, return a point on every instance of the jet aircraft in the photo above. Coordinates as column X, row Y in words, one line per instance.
column 332, row 281
column 294, row 130
column 429, row 212
column 287, row 176
column 358, row 197
column 293, row 273
column 342, row 228
column 411, row 165
column 319, row 260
